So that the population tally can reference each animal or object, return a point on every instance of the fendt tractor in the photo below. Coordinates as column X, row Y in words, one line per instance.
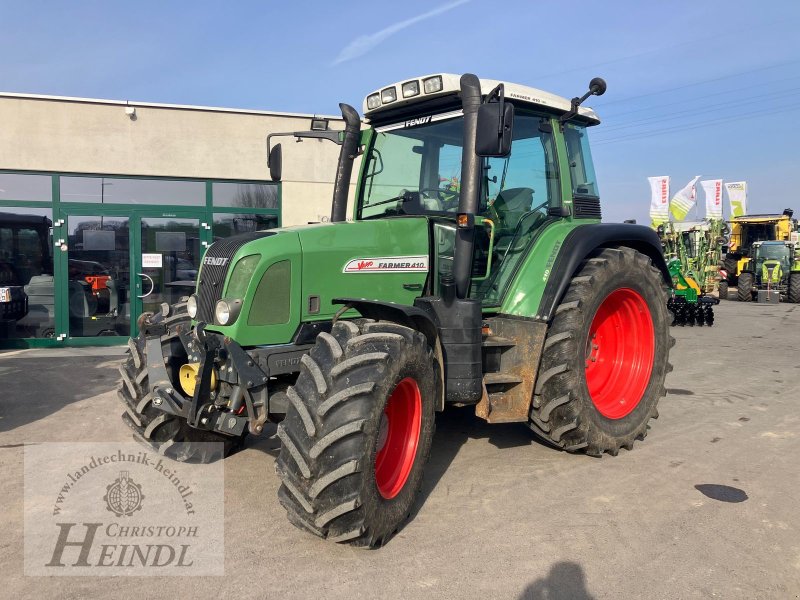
column 771, row 274
column 475, row 271
column 745, row 231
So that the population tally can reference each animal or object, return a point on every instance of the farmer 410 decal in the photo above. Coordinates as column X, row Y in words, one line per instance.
column 387, row 264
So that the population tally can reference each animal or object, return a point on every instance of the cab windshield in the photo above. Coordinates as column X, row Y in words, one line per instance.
column 778, row 252
column 414, row 168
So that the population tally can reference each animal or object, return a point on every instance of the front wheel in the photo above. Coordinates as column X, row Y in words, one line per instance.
column 744, row 288
column 167, row 434
column 605, row 356
column 723, row 290
column 358, row 432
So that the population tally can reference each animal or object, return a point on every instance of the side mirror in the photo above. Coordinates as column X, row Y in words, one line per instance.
column 495, row 125
column 275, row 162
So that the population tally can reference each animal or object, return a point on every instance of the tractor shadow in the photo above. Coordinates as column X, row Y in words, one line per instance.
column 565, row 581
column 454, row 427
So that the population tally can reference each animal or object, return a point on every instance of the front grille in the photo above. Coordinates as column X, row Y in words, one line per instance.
column 587, row 208
column 214, row 269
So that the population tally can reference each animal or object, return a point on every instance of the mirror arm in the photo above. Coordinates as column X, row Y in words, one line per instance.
column 573, row 111
column 499, row 93
column 597, row 87
column 333, row 136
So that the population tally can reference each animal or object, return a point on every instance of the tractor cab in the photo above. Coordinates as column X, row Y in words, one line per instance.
column 412, row 166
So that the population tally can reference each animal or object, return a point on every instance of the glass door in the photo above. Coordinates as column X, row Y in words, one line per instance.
column 96, row 254
column 167, row 259
column 121, row 264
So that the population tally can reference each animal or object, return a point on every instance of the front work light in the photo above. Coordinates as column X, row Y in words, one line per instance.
column 226, row 311
column 432, row 84
column 410, row 89
column 373, row 101
column 388, row 95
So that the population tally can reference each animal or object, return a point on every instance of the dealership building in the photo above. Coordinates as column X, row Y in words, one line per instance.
column 107, row 206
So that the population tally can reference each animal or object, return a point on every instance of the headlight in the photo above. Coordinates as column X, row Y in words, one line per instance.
column 373, row 101
column 432, row 84
column 388, row 95
column 226, row 311
column 191, row 306
column 410, row 88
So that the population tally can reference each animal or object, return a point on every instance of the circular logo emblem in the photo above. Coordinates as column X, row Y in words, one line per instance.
column 124, row 496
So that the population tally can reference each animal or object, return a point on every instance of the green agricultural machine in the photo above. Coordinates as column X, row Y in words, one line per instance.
column 772, row 274
column 693, row 252
column 474, row 271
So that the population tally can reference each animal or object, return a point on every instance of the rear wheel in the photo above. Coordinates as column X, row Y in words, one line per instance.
column 605, row 356
column 358, row 432
column 166, row 433
column 793, row 294
column 744, row 288
column 723, row 290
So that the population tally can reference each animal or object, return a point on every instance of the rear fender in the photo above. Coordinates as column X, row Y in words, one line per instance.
column 585, row 240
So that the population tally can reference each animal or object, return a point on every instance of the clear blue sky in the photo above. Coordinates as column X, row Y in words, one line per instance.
column 694, row 87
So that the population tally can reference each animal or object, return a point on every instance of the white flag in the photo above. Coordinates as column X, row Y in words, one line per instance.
column 684, row 200
column 713, row 191
column 737, row 197
column 659, row 199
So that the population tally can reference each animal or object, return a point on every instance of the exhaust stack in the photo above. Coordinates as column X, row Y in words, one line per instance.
column 344, row 170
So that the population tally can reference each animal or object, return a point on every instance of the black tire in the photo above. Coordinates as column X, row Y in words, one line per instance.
column 167, row 434
column 563, row 412
column 729, row 264
column 744, row 288
column 723, row 290
column 330, row 433
column 793, row 294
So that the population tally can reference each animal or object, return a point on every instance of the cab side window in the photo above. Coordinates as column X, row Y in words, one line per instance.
column 519, row 190
column 581, row 168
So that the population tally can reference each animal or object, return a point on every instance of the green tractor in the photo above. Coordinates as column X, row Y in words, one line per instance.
column 474, row 271
column 772, row 273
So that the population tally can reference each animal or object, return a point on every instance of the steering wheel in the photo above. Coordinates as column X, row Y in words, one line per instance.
column 447, row 199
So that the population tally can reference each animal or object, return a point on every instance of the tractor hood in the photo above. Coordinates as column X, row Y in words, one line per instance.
column 275, row 280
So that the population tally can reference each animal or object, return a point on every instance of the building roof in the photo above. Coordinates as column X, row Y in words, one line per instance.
column 244, row 111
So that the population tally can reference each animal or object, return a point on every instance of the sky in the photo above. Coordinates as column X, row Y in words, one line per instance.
column 694, row 87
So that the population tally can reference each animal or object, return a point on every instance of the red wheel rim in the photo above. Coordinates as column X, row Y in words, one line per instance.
column 619, row 353
column 398, row 438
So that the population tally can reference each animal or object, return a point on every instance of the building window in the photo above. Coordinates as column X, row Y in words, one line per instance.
column 245, row 195
column 229, row 224
column 18, row 186
column 113, row 190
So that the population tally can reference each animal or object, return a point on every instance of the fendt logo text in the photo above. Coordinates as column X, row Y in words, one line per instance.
column 215, row 261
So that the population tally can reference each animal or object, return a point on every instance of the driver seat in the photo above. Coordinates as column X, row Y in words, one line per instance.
column 511, row 204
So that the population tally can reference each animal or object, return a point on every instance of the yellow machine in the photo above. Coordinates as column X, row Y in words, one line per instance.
column 748, row 229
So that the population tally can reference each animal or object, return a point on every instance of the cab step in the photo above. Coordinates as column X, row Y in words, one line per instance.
column 491, row 379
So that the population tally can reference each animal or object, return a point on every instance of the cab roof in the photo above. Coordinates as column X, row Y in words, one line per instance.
column 451, row 86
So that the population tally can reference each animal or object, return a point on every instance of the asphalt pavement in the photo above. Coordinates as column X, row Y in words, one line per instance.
column 705, row 507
